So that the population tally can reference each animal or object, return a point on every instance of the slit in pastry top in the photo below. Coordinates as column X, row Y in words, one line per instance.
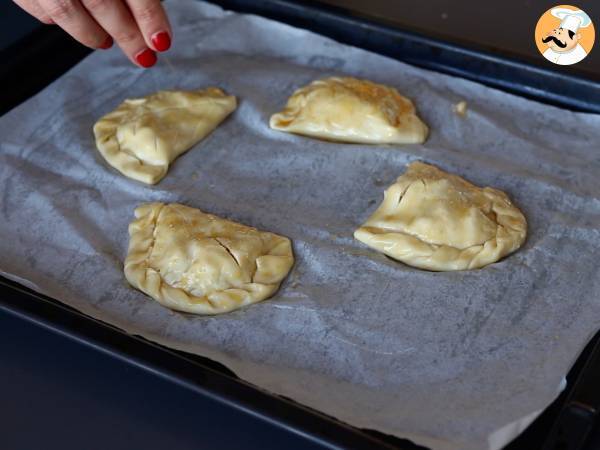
column 195, row 262
column 435, row 220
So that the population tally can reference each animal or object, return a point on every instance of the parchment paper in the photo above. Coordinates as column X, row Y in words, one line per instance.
column 460, row 360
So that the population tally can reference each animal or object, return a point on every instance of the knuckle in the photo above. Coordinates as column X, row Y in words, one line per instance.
column 147, row 11
column 96, row 5
column 61, row 9
column 87, row 39
column 41, row 15
column 127, row 36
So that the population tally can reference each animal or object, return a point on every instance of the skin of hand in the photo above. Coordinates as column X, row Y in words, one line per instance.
column 140, row 27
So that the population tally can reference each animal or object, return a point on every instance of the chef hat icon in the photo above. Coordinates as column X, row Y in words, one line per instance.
column 571, row 19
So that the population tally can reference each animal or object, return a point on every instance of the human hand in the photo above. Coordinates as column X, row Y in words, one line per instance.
column 139, row 27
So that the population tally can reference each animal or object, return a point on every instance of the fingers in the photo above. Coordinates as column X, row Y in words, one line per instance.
column 32, row 7
column 72, row 17
column 140, row 27
column 153, row 23
column 117, row 20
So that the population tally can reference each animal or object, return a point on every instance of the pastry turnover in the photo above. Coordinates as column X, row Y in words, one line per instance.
column 351, row 110
column 434, row 220
column 144, row 135
column 195, row 262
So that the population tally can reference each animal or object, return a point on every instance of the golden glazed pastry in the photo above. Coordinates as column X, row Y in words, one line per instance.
column 351, row 110
column 434, row 220
column 195, row 262
column 144, row 135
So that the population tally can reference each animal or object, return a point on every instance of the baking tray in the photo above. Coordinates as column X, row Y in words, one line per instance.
column 566, row 424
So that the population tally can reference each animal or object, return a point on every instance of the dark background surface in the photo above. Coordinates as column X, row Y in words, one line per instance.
column 56, row 393
column 14, row 23
column 505, row 27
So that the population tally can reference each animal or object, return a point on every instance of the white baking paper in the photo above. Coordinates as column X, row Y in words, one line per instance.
column 458, row 360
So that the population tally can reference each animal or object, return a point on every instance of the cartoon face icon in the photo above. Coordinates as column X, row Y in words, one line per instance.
column 561, row 40
column 564, row 43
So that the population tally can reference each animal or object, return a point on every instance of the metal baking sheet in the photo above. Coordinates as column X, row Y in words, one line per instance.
column 450, row 360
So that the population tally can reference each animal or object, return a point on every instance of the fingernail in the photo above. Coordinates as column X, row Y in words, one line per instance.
column 108, row 43
column 146, row 58
column 161, row 41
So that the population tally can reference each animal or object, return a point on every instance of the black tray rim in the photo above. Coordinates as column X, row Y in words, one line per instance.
column 548, row 85
column 196, row 373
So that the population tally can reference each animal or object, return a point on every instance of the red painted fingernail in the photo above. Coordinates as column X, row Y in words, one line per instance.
column 146, row 58
column 161, row 41
column 108, row 43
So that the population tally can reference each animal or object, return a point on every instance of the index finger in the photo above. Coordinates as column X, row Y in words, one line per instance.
column 152, row 22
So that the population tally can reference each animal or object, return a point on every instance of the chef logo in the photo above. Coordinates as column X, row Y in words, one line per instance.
column 564, row 35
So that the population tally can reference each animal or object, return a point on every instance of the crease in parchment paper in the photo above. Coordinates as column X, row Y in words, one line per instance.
column 363, row 338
